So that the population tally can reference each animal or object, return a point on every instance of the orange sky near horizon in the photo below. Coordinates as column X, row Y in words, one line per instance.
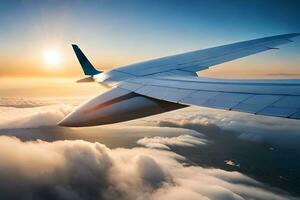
column 113, row 34
column 33, row 64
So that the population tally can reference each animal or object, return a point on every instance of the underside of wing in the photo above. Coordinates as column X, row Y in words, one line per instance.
column 202, row 59
column 279, row 98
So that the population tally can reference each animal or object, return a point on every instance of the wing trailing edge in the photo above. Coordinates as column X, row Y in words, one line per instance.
column 278, row 98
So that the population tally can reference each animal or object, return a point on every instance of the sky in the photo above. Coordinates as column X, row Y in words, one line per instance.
column 191, row 153
column 36, row 36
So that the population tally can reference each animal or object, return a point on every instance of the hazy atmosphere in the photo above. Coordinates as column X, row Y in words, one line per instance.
column 190, row 153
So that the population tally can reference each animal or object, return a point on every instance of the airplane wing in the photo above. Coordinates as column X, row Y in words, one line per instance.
column 155, row 79
column 171, row 82
column 280, row 98
column 203, row 59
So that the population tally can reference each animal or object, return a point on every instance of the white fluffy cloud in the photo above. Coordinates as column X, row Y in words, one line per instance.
column 35, row 102
column 12, row 117
column 35, row 112
column 164, row 142
column 84, row 170
column 233, row 120
column 277, row 131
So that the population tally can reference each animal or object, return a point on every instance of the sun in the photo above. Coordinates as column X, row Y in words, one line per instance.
column 52, row 57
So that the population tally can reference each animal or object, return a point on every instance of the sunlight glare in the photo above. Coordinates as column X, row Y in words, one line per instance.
column 52, row 57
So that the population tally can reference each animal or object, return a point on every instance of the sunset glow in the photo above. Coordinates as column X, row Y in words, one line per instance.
column 52, row 57
column 151, row 100
column 123, row 39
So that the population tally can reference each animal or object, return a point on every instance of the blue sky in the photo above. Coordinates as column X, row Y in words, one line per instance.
column 114, row 33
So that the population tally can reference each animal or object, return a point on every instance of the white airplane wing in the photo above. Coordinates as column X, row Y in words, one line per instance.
column 156, row 79
column 203, row 59
column 170, row 83
column 280, row 98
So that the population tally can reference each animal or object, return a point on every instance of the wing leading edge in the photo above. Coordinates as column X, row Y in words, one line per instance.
column 202, row 59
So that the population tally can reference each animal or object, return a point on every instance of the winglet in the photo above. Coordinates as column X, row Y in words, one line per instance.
column 87, row 67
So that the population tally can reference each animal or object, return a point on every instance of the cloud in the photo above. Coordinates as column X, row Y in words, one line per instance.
column 12, row 117
column 231, row 163
column 277, row 131
column 232, row 120
column 84, row 170
column 164, row 142
column 36, row 102
column 20, row 102
column 35, row 112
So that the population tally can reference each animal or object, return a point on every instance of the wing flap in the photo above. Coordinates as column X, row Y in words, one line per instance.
column 256, row 103
column 277, row 111
column 296, row 115
column 288, row 102
column 222, row 85
column 225, row 100
column 272, row 98
column 198, row 97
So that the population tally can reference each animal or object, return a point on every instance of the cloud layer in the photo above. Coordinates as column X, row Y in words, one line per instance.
column 277, row 131
column 12, row 117
column 35, row 112
column 164, row 142
column 84, row 170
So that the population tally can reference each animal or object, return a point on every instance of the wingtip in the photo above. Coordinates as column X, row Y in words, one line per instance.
column 289, row 36
column 294, row 35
